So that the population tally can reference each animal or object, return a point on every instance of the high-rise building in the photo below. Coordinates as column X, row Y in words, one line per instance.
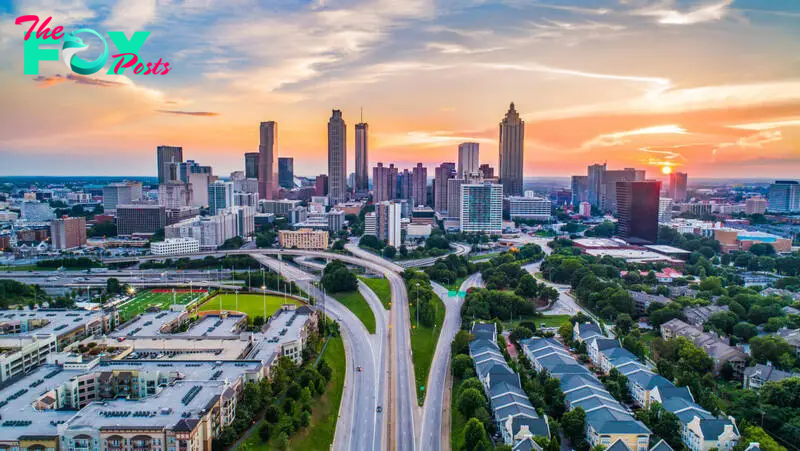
column 175, row 194
column 608, row 188
column 337, row 158
column 594, row 183
column 637, row 206
column 529, row 207
column 419, row 185
column 321, row 185
column 404, row 185
column 121, row 193
column 443, row 173
column 165, row 156
column 677, row 186
column 362, row 159
column 579, row 185
column 251, row 165
column 487, row 172
column 481, row 208
column 199, row 182
column 664, row 209
column 268, row 160
column 220, row 196
column 68, row 233
column 512, row 152
column 585, row 209
column 384, row 183
column 142, row 218
column 387, row 216
column 755, row 206
column 371, row 224
column 303, row 239
column 784, row 197
column 33, row 211
column 181, row 171
column 468, row 158
column 286, row 172
column 454, row 194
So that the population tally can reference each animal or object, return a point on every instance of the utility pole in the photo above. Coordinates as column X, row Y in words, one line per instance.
column 417, row 305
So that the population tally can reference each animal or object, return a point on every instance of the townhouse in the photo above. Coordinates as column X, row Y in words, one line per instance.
column 758, row 375
column 717, row 348
column 608, row 422
column 513, row 413
column 700, row 430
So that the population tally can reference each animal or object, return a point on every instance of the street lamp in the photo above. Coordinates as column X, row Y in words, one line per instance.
column 264, row 293
column 417, row 305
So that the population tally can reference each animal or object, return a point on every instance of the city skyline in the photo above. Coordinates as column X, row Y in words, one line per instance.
column 635, row 83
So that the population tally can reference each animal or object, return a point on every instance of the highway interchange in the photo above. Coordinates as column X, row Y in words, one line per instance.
column 386, row 375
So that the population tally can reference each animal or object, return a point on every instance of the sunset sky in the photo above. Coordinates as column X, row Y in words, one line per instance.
column 710, row 87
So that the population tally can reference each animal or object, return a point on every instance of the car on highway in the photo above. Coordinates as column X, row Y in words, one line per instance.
column 379, row 409
column 359, row 369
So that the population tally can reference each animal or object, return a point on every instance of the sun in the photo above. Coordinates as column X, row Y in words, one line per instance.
column 666, row 169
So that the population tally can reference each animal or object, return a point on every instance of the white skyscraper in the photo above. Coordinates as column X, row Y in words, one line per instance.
column 468, row 159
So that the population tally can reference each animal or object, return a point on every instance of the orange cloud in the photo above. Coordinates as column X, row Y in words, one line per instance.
column 189, row 113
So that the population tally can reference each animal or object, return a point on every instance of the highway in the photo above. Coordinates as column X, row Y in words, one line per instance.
column 460, row 249
column 360, row 426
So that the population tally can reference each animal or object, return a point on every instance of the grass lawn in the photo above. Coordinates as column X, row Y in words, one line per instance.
column 423, row 346
column 319, row 434
column 158, row 298
column 358, row 305
column 381, row 288
column 487, row 256
column 250, row 304
column 547, row 320
column 456, row 284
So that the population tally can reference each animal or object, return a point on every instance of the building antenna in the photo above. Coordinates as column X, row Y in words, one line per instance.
column 362, row 114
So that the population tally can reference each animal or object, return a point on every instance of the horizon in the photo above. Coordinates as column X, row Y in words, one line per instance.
column 704, row 86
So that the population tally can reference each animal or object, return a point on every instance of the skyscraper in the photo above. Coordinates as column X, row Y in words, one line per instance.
column 388, row 215
column 337, row 158
column 579, row 185
column 251, row 165
column 481, row 208
column 594, row 183
column 443, row 173
column 68, row 233
column 784, row 197
column 487, row 172
column 286, row 172
column 608, row 188
column 166, row 155
column 468, row 158
column 267, row 160
column 404, row 190
column 419, row 185
column 454, row 194
column 362, row 159
column 384, row 183
column 677, row 186
column 321, row 185
column 637, row 206
column 512, row 152
column 220, row 196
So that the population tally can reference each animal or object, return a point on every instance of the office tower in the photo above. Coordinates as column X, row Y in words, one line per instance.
column 585, row 209
column 361, row 184
column 384, row 183
column 664, row 209
column 337, row 158
column 637, row 206
column 443, row 173
column 487, row 172
column 370, row 224
column 220, row 196
column 140, row 218
column 68, row 233
column 246, row 220
column 387, row 218
column 404, row 185
column 481, row 208
column 267, row 160
column 454, row 194
column 174, row 194
column 251, row 165
column 321, row 185
column 677, row 186
column 180, row 171
column 468, row 158
column 286, row 172
column 608, row 187
column 165, row 156
column 594, row 183
column 784, row 197
column 755, row 206
column 199, row 182
column 579, row 185
column 512, row 152
column 121, row 193
column 529, row 207
column 419, row 185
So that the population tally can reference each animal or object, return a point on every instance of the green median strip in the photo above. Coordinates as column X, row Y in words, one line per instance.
column 358, row 305
column 423, row 344
column 381, row 288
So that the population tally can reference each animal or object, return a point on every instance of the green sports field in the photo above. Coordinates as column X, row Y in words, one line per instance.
column 157, row 298
column 250, row 304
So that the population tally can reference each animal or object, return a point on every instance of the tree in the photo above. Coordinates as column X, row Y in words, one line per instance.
column 753, row 433
column 520, row 333
column 389, row 252
column 527, row 287
column 624, row 323
column 403, row 250
column 265, row 433
column 337, row 278
column 475, row 438
column 113, row 286
column 282, row 442
column 745, row 331
column 573, row 423
column 371, row 241
column 462, row 366
column 469, row 400
column 769, row 348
